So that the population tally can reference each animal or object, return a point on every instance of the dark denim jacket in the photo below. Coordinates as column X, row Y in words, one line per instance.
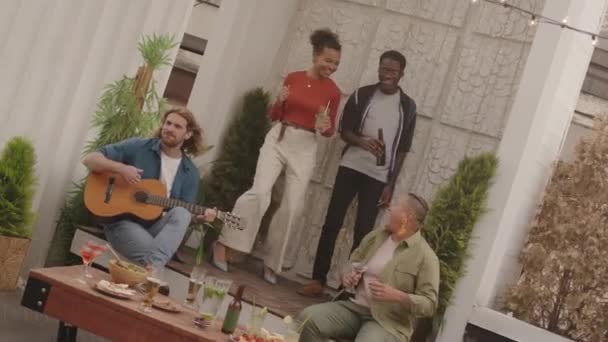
column 145, row 154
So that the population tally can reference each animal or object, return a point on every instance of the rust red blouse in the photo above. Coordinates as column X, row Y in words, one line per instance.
column 307, row 97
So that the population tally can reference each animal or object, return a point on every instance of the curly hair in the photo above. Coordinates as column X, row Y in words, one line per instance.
column 194, row 145
column 324, row 38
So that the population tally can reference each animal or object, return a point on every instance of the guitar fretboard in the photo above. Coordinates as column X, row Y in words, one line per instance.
column 172, row 203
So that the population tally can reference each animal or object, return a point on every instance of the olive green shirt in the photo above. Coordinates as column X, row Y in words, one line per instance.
column 414, row 269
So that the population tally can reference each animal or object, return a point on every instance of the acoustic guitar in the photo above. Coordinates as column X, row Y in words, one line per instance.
column 109, row 197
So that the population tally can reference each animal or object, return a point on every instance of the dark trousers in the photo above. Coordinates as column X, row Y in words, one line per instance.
column 348, row 184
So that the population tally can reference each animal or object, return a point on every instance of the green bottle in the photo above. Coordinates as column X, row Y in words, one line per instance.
column 234, row 311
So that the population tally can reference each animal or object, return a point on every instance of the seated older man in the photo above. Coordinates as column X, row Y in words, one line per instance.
column 400, row 283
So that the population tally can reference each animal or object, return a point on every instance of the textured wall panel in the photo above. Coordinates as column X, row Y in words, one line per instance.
column 464, row 66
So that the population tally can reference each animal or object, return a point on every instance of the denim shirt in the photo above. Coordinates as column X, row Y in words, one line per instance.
column 414, row 269
column 145, row 154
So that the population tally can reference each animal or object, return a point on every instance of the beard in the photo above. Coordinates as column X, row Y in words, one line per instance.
column 171, row 140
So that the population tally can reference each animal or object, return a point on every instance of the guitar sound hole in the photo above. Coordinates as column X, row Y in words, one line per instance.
column 141, row 196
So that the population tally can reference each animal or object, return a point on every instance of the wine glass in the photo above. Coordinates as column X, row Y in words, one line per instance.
column 88, row 252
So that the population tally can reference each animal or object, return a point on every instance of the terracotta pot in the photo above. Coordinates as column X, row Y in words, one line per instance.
column 12, row 254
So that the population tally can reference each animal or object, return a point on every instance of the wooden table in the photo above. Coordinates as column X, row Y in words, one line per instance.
column 56, row 292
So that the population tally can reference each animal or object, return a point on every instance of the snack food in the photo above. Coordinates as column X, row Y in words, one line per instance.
column 126, row 272
column 265, row 336
column 117, row 290
column 166, row 305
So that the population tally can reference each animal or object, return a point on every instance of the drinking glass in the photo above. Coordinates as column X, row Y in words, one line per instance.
column 149, row 288
column 293, row 331
column 214, row 292
column 367, row 279
column 195, row 282
column 256, row 320
column 88, row 252
column 356, row 267
column 321, row 116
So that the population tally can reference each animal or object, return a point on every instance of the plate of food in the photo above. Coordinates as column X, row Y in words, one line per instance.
column 166, row 304
column 264, row 336
column 115, row 290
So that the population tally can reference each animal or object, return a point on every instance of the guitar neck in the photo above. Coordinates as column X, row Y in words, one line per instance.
column 170, row 203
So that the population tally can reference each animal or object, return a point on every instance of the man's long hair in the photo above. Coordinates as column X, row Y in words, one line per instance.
column 194, row 145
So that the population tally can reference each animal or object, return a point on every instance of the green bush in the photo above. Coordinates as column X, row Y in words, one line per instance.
column 17, row 181
column 232, row 172
column 454, row 211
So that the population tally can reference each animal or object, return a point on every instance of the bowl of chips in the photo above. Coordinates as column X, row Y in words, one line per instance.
column 124, row 272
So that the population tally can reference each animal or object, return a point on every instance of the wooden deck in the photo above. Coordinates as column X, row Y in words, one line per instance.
column 280, row 299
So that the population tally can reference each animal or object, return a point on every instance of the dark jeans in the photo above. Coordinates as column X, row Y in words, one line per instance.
column 348, row 184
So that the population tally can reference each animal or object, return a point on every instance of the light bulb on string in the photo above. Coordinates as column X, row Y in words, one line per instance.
column 536, row 19
column 474, row 1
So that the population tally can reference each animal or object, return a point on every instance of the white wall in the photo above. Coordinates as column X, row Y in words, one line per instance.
column 202, row 21
column 464, row 66
column 57, row 55
column 239, row 57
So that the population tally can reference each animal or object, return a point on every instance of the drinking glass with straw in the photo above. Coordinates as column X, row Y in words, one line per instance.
column 321, row 116
column 256, row 320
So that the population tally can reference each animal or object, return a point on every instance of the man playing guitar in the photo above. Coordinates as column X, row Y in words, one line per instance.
column 166, row 158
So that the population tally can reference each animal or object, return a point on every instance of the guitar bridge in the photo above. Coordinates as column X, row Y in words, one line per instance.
column 109, row 189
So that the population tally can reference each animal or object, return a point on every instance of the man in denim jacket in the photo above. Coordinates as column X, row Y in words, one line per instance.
column 164, row 157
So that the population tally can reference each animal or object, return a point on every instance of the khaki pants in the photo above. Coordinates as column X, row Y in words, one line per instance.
column 342, row 319
column 296, row 152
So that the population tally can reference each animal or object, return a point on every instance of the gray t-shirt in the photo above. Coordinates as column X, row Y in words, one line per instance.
column 383, row 112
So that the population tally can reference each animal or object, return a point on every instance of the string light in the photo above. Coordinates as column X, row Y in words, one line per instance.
column 536, row 18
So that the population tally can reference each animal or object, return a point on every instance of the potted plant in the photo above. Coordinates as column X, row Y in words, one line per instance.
column 456, row 208
column 17, row 181
column 232, row 172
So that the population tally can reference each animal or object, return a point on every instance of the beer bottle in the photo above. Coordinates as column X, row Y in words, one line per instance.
column 234, row 311
column 381, row 159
